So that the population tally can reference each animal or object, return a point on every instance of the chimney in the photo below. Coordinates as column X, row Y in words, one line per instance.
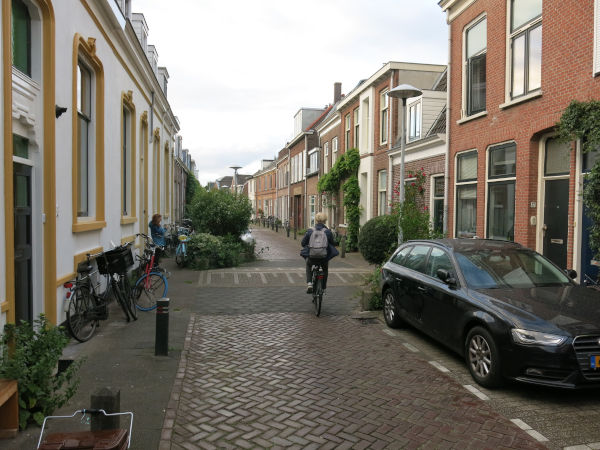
column 337, row 92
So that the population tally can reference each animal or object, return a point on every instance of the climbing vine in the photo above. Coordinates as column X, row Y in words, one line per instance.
column 580, row 122
column 346, row 170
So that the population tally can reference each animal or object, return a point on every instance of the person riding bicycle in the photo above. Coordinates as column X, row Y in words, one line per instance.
column 332, row 252
column 158, row 236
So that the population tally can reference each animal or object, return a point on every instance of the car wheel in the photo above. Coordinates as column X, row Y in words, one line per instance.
column 390, row 310
column 482, row 358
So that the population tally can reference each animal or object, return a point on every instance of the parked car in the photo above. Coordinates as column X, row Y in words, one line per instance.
column 247, row 237
column 508, row 310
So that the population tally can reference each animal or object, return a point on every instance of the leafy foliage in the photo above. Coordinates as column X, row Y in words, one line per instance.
column 378, row 238
column 413, row 215
column 207, row 251
column 220, row 213
column 191, row 187
column 30, row 355
column 346, row 169
column 580, row 121
column 372, row 282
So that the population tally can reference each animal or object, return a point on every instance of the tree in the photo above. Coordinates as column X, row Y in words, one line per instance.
column 219, row 212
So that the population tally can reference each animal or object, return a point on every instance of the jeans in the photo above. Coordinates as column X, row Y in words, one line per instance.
column 324, row 265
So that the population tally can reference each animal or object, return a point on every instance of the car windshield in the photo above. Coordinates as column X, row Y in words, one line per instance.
column 515, row 267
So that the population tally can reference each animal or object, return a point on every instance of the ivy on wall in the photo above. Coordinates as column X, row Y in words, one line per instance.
column 345, row 170
column 581, row 121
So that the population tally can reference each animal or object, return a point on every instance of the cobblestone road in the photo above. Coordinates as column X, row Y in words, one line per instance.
column 259, row 370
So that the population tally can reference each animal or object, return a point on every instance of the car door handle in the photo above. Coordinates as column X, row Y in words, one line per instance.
column 422, row 289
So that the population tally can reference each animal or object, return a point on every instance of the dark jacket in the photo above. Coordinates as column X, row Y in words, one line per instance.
column 331, row 250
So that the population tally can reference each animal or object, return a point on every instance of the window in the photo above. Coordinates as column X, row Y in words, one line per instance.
column 326, row 158
column 414, row 121
column 501, row 192
column 347, row 132
column 21, row 37
column 313, row 163
column 383, row 121
column 475, row 66
column 382, row 192
column 466, row 194
column 356, row 128
column 525, row 46
column 437, row 206
column 398, row 258
column 128, row 172
column 20, row 146
column 312, row 210
column 438, row 259
column 334, row 150
column 84, row 114
column 417, row 258
column 88, row 137
column 558, row 158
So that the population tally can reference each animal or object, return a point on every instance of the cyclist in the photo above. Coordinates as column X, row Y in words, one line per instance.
column 158, row 236
column 320, row 218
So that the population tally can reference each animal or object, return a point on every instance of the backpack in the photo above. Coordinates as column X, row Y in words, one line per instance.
column 317, row 244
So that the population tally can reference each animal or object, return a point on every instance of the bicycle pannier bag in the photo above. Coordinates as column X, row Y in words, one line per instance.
column 317, row 244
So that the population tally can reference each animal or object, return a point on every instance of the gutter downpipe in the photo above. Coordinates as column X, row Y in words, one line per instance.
column 448, row 111
column 289, row 184
column 390, row 176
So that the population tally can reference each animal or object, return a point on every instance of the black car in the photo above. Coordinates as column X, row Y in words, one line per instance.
column 507, row 309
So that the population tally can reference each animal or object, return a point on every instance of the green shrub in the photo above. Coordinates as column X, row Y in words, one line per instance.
column 378, row 238
column 372, row 285
column 219, row 212
column 30, row 355
column 207, row 251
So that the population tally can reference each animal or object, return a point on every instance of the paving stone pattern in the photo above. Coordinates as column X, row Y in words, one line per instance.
column 292, row 380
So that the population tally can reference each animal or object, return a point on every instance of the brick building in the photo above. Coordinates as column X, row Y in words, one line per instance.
column 515, row 67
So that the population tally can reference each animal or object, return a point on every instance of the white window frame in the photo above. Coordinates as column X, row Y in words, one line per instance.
column 416, row 107
column 491, row 181
column 382, row 202
column 458, row 184
column 326, row 157
column 312, row 209
column 356, row 118
column 466, row 112
column 434, row 198
column 511, row 35
column 334, row 150
column 384, row 109
column 347, row 132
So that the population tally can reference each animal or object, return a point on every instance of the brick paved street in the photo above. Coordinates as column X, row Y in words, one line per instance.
column 259, row 370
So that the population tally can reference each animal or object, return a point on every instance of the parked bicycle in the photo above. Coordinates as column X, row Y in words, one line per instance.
column 87, row 298
column 151, row 284
column 318, row 277
column 181, row 251
column 116, row 264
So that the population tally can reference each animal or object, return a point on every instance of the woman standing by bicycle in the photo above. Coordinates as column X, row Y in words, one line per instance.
column 306, row 251
column 158, row 236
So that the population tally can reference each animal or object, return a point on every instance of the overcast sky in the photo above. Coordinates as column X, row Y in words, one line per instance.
column 239, row 70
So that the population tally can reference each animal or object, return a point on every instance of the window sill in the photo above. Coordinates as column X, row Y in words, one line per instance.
column 126, row 220
column 473, row 117
column 91, row 225
column 522, row 99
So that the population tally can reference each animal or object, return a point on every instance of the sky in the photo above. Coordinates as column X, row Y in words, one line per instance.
column 240, row 70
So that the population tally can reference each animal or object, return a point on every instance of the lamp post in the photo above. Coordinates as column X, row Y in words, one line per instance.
column 235, row 169
column 403, row 91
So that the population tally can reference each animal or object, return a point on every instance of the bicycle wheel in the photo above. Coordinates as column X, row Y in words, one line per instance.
column 80, row 314
column 150, row 288
column 180, row 255
column 128, row 296
column 318, row 294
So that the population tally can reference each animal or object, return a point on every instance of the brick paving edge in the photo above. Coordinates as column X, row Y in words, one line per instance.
column 171, row 410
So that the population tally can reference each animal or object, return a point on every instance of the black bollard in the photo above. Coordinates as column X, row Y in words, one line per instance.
column 287, row 230
column 276, row 227
column 343, row 244
column 110, row 401
column 295, row 231
column 161, row 343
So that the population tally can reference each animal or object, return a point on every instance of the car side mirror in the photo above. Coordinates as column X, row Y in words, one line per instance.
column 571, row 273
column 446, row 277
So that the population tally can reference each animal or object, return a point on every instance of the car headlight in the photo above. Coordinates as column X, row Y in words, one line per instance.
column 529, row 337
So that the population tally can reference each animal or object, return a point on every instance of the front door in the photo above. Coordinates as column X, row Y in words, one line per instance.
column 22, row 243
column 556, row 214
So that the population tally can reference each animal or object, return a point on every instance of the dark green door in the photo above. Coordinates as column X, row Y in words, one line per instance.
column 22, row 243
column 556, row 214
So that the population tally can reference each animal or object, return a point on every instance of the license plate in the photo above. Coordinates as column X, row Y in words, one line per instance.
column 595, row 361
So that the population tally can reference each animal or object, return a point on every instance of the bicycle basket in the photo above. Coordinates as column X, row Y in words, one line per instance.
column 183, row 237
column 117, row 260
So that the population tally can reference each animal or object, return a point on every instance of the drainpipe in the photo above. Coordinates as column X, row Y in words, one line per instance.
column 448, row 111
column 390, row 180
column 289, row 183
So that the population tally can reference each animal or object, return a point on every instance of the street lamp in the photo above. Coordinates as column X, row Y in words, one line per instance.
column 235, row 169
column 403, row 91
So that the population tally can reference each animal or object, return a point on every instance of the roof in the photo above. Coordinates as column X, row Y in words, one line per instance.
column 439, row 124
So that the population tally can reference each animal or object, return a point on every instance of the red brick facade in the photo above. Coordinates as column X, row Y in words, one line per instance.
column 566, row 74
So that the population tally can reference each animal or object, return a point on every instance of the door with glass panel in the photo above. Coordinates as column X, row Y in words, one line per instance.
column 556, row 201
